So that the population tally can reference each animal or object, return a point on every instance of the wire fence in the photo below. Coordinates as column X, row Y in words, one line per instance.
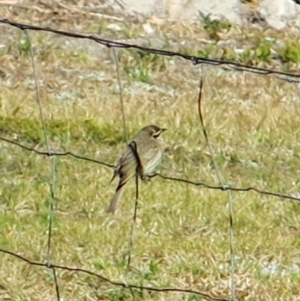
column 222, row 186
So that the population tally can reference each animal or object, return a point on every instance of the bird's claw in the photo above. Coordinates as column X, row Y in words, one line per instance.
column 145, row 178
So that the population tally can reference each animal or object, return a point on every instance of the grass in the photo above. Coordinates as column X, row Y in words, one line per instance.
column 182, row 234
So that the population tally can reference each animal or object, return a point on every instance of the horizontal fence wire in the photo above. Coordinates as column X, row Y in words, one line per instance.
column 285, row 76
column 165, row 177
column 115, row 283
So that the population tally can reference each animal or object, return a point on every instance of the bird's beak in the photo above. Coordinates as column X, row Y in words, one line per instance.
column 162, row 130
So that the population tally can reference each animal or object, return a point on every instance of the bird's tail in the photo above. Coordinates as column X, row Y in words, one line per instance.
column 116, row 198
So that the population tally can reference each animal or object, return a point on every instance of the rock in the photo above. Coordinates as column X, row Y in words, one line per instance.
column 182, row 9
column 144, row 7
column 114, row 27
column 278, row 13
column 189, row 9
column 148, row 28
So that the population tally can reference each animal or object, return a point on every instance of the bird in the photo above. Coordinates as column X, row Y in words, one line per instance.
column 141, row 157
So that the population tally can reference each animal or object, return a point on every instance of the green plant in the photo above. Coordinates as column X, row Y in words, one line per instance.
column 263, row 51
column 214, row 26
column 24, row 45
column 290, row 52
column 141, row 65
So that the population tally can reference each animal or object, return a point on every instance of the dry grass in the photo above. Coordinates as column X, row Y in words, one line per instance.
column 181, row 239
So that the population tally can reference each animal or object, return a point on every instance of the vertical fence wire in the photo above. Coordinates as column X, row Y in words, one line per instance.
column 131, row 235
column 53, row 171
column 116, row 60
column 221, row 183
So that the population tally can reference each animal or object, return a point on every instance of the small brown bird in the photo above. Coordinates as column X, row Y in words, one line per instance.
column 142, row 155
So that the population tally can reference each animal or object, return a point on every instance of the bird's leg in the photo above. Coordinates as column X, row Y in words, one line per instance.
column 148, row 177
